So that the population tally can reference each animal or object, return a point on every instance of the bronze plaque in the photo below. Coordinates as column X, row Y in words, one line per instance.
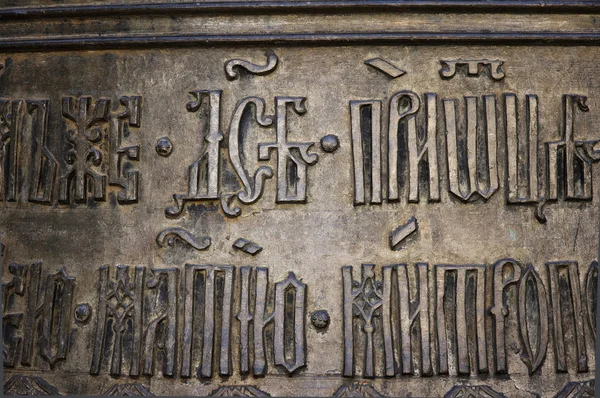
column 344, row 198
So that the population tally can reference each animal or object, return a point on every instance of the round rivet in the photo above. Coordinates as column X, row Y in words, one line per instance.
column 164, row 146
column 320, row 319
column 82, row 312
column 330, row 143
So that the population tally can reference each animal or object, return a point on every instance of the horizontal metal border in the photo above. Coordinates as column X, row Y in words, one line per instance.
column 114, row 40
column 263, row 7
column 148, row 41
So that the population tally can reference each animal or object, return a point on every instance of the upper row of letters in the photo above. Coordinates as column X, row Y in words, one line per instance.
column 100, row 149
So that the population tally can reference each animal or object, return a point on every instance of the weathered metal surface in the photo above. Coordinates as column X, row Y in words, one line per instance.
column 300, row 199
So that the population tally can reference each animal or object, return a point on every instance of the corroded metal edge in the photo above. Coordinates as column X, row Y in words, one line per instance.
column 263, row 6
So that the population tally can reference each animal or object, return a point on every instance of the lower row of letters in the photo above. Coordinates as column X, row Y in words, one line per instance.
column 416, row 319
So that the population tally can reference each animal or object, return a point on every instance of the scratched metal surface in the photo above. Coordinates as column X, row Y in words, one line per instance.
column 190, row 208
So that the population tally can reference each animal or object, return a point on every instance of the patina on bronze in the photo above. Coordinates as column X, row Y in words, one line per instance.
column 345, row 198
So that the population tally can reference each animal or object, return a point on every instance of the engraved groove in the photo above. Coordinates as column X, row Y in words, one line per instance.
column 196, row 40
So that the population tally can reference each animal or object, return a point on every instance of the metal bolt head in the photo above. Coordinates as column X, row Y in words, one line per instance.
column 164, row 146
column 330, row 143
column 320, row 319
column 82, row 312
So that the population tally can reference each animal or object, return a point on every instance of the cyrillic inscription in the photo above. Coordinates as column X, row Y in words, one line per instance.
column 471, row 150
column 220, row 274
column 97, row 151
column 397, row 308
column 46, row 320
column 292, row 157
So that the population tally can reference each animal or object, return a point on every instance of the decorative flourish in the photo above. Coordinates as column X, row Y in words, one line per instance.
column 254, row 69
column 29, row 385
column 539, row 212
column 128, row 390
column 247, row 246
column 386, row 67
column 473, row 392
column 578, row 389
column 402, row 232
column 170, row 236
column 448, row 69
column 226, row 205
column 357, row 389
column 238, row 391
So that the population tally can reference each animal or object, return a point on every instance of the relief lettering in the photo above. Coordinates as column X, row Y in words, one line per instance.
column 404, row 106
column 119, row 313
column 567, row 272
column 44, row 166
column 591, row 297
column 95, row 153
column 253, row 186
column 47, row 317
column 87, row 122
column 160, row 313
column 292, row 157
column 522, row 149
column 10, row 136
column 456, row 286
column 11, row 321
column 415, row 147
column 533, row 319
column 467, row 172
column 361, row 299
column 366, row 150
column 201, row 291
column 569, row 160
column 413, row 305
column 122, row 124
column 203, row 174
column 506, row 273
